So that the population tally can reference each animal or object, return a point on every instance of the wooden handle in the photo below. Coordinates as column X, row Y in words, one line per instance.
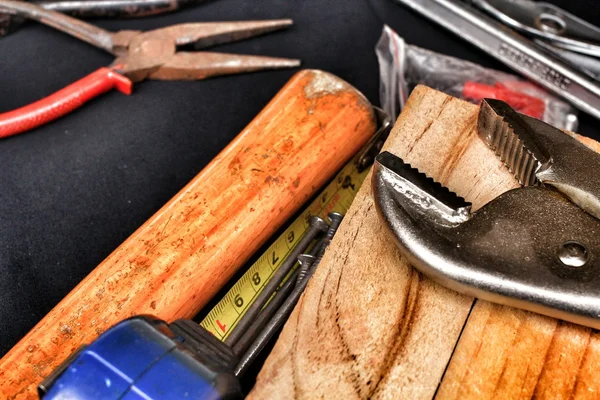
column 174, row 263
column 62, row 102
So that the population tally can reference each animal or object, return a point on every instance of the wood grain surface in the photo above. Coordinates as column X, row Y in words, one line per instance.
column 370, row 326
column 175, row 262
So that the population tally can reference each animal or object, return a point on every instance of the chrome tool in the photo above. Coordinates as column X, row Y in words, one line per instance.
column 536, row 247
column 542, row 59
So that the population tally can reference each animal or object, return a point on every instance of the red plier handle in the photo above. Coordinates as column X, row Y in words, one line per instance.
column 62, row 102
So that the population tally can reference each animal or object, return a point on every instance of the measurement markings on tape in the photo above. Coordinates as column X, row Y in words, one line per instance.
column 337, row 196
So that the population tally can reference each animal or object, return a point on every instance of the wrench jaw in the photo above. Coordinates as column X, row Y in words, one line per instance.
column 422, row 217
column 529, row 248
column 426, row 196
column 420, row 196
column 540, row 154
column 512, row 140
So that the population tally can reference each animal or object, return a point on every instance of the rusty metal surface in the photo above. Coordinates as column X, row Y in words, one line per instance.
column 154, row 54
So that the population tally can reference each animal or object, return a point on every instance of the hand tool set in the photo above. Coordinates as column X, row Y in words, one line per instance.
column 151, row 358
column 554, row 53
column 139, row 55
column 534, row 247
column 144, row 357
column 182, row 256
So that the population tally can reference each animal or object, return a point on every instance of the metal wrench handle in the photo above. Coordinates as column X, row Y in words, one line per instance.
column 514, row 50
column 72, row 26
column 115, row 8
column 99, row 8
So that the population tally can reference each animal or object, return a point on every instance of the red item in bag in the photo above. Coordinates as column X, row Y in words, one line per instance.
column 523, row 103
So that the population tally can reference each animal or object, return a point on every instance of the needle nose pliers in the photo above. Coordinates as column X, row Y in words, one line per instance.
column 139, row 55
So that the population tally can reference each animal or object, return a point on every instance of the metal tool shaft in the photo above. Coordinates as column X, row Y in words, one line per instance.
column 514, row 50
column 545, row 21
column 274, row 324
column 99, row 8
column 81, row 30
column 317, row 225
column 273, row 305
column 266, row 314
column 335, row 219
column 308, row 263
column 115, row 8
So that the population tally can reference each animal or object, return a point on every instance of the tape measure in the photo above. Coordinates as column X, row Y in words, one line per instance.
column 337, row 196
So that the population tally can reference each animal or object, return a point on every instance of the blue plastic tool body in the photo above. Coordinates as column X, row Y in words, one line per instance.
column 140, row 358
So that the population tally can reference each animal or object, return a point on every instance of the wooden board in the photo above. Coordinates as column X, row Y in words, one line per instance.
column 370, row 326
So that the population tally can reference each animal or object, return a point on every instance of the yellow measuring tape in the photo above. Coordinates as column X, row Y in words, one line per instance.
column 337, row 196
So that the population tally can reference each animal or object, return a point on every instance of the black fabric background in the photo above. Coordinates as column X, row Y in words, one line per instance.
column 72, row 191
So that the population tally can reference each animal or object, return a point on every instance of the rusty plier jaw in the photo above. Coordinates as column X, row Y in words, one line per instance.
column 155, row 54
column 140, row 55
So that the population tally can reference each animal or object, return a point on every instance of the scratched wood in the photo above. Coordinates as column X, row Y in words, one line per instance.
column 175, row 262
column 370, row 326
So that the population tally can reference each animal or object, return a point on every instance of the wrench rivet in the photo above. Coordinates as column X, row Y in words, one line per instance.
column 573, row 254
column 551, row 23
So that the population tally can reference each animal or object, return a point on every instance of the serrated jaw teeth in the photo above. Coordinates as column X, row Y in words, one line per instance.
column 504, row 133
column 418, row 192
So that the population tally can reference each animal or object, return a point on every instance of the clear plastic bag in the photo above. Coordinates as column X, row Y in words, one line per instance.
column 403, row 66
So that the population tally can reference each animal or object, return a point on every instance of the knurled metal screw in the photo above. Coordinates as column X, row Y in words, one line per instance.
column 305, row 261
column 335, row 219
